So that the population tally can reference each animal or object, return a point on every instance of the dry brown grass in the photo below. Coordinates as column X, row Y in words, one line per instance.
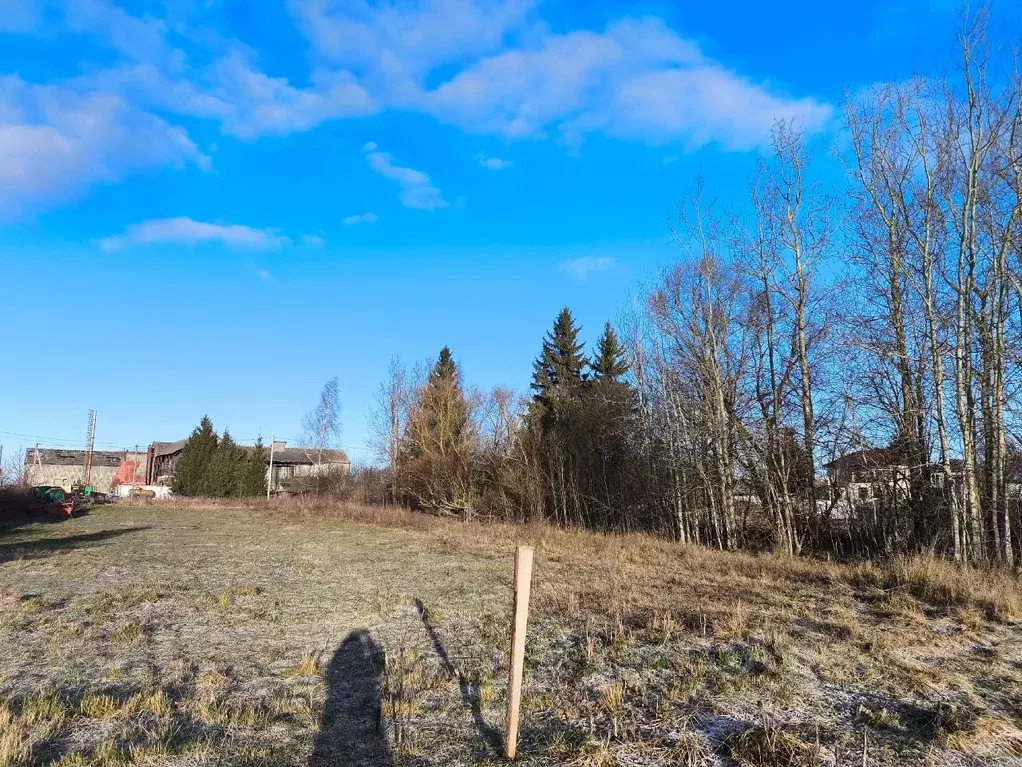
column 220, row 619
column 943, row 584
column 769, row 745
column 936, row 582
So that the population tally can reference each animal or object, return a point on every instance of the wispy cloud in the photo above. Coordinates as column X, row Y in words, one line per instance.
column 487, row 66
column 637, row 79
column 187, row 231
column 493, row 163
column 581, row 268
column 417, row 190
column 314, row 241
column 58, row 143
column 411, row 38
column 360, row 218
column 264, row 274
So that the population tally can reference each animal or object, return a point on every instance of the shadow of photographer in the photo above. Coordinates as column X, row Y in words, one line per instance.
column 351, row 731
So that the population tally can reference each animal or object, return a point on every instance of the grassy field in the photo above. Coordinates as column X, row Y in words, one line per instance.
column 346, row 636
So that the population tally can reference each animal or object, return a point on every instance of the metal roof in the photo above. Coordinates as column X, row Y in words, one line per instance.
column 294, row 455
column 168, row 448
column 54, row 457
column 307, row 457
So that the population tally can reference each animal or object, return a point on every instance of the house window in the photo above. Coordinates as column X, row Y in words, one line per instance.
column 863, row 493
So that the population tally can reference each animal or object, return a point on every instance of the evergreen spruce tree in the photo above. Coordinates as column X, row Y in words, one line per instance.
column 558, row 374
column 609, row 364
column 199, row 448
column 254, row 473
column 443, row 404
column 224, row 477
column 445, row 369
column 438, row 444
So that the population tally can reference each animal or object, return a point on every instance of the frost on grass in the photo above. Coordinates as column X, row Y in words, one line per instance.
column 191, row 635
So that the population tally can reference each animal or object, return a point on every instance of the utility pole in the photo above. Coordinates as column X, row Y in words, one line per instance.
column 38, row 463
column 269, row 479
column 90, row 441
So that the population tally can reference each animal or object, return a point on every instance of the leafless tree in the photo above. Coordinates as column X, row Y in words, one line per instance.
column 321, row 432
column 388, row 418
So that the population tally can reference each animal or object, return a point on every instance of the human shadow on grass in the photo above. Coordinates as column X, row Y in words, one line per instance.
column 44, row 547
column 351, row 731
column 469, row 688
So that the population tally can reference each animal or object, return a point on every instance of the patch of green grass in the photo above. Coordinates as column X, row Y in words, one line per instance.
column 768, row 745
column 128, row 633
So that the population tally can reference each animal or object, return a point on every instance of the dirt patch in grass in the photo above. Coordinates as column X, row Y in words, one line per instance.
column 307, row 633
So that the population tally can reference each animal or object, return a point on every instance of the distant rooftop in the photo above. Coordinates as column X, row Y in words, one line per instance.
column 56, row 457
column 281, row 453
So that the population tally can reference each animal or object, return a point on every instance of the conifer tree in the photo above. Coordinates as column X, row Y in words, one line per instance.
column 445, row 369
column 198, row 451
column 254, row 474
column 442, row 405
column 558, row 374
column 438, row 443
column 224, row 477
column 610, row 363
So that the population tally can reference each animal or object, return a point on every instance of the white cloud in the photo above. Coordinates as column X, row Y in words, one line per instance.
column 637, row 79
column 493, row 163
column 417, row 190
column 314, row 241
column 487, row 66
column 57, row 143
column 360, row 218
column 187, row 231
column 404, row 40
column 581, row 268
column 259, row 105
column 699, row 105
column 246, row 102
column 141, row 39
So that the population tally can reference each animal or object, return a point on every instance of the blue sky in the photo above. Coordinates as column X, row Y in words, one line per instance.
column 215, row 206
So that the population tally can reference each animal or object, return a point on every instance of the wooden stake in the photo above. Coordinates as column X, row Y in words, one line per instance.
column 523, row 583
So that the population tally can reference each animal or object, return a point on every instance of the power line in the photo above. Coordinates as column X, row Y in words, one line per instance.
column 353, row 448
column 77, row 444
column 56, row 440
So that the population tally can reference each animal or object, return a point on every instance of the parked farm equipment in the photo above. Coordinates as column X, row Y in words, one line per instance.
column 61, row 504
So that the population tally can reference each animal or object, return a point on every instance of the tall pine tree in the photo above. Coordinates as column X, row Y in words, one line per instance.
column 224, row 477
column 445, row 369
column 558, row 374
column 443, row 410
column 254, row 475
column 199, row 448
column 609, row 364
column 438, row 444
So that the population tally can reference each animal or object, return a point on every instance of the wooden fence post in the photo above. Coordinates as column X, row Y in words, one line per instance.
column 523, row 583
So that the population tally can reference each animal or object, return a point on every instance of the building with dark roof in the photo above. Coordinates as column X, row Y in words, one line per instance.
column 882, row 473
column 66, row 468
column 294, row 469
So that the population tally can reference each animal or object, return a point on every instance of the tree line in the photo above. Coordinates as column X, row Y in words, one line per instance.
column 214, row 466
column 810, row 321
